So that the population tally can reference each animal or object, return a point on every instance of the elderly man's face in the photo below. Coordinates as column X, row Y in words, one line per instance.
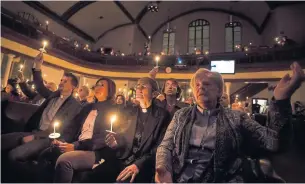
column 224, row 100
column 206, row 90
column 143, row 92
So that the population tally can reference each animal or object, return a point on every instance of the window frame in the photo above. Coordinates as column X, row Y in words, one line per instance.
column 232, row 25
column 168, row 42
column 202, row 23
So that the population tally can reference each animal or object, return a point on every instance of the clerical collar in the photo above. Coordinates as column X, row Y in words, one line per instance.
column 145, row 110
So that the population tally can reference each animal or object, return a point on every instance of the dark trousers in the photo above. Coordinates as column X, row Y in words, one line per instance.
column 17, row 155
column 109, row 170
column 66, row 164
column 22, row 152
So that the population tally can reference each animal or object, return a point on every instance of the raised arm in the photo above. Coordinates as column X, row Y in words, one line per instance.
column 277, row 134
column 38, row 81
column 24, row 87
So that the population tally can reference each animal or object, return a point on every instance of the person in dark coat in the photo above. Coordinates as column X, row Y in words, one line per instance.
column 10, row 91
column 136, row 147
column 209, row 143
column 58, row 106
column 75, row 149
column 168, row 99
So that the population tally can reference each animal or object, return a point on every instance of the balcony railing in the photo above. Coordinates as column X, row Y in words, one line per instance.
column 254, row 55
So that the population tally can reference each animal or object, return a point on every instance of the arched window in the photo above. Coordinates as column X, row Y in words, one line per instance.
column 199, row 36
column 233, row 36
column 168, row 46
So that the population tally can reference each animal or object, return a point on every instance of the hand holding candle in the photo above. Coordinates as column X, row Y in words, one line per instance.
column 55, row 135
column 21, row 67
column 44, row 43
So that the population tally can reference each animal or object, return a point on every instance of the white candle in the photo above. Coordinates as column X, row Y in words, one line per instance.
column 157, row 58
column 45, row 43
column 112, row 120
column 55, row 125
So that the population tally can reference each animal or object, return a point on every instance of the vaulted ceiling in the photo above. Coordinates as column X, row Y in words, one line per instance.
column 91, row 20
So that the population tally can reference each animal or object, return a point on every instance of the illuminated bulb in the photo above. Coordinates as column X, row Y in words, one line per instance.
column 33, row 86
column 124, row 90
column 276, row 39
column 120, row 89
column 190, row 90
column 123, row 54
column 76, row 94
column 247, row 98
column 236, row 96
column 47, row 22
column 27, row 80
column 44, row 75
column 87, row 84
column 149, row 37
column 21, row 66
column 250, row 43
column 195, row 49
column 206, row 52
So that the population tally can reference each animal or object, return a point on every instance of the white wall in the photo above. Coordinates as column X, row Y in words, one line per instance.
column 217, row 32
column 119, row 39
column 290, row 20
column 138, row 41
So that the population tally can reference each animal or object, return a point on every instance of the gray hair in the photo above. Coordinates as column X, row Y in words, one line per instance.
column 214, row 76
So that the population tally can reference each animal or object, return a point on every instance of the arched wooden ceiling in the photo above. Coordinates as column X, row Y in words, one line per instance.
column 81, row 17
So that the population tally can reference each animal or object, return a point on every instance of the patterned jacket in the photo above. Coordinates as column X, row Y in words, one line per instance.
column 235, row 132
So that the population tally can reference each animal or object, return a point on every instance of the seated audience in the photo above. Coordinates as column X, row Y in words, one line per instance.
column 83, row 93
column 137, row 146
column 58, row 106
column 76, row 148
column 10, row 91
column 33, row 96
column 225, row 100
column 206, row 142
column 91, row 98
column 169, row 98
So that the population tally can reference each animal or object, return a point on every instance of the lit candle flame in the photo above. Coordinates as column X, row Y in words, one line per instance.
column 113, row 119
column 157, row 58
column 44, row 43
column 56, row 124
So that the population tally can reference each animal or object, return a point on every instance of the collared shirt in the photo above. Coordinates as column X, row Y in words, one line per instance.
column 88, row 126
column 202, row 143
column 51, row 110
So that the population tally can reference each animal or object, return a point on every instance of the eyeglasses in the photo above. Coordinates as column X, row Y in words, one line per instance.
column 141, row 86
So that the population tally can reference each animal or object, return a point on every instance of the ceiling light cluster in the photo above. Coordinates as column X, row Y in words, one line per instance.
column 153, row 7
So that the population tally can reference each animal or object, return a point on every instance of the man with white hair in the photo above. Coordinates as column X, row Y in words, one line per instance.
column 207, row 143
